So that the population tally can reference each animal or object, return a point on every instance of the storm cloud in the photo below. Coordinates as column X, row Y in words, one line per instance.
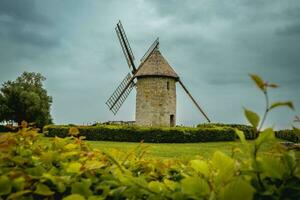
column 213, row 46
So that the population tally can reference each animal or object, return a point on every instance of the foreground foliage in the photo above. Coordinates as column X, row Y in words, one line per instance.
column 69, row 168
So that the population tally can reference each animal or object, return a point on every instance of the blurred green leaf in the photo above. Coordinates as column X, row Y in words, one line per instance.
column 19, row 183
column 224, row 165
column 278, row 104
column 273, row 167
column 258, row 81
column 252, row 117
column 93, row 164
column 43, row 190
column 19, row 194
column 74, row 197
column 289, row 160
column 266, row 136
column 74, row 167
column 5, row 185
column 200, row 166
column 171, row 184
column 82, row 188
column 241, row 136
column 238, row 189
column 95, row 197
column 195, row 186
column 36, row 171
column 71, row 146
column 156, row 186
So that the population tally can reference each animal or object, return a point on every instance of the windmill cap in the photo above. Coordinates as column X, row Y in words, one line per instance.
column 156, row 65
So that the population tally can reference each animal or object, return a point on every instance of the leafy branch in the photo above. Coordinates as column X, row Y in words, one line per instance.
column 254, row 118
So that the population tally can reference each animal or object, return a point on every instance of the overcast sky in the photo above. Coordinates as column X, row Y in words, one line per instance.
column 212, row 45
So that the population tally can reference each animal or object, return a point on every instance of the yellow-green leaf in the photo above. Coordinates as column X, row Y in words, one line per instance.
column 19, row 194
column 273, row 167
column 93, row 164
column 200, row 166
column 241, row 135
column 195, row 186
column 170, row 184
column 19, row 183
column 238, row 189
column 156, row 186
column 258, row 81
column 71, row 146
column 95, row 197
column 74, row 167
column 252, row 117
column 43, row 190
column 5, row 185
column 266, row 136
column 224, row 166
column 286, row 103
column 82, row 187
column 74, row 197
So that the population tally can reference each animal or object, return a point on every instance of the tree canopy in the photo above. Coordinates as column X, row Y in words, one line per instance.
column 25, row 99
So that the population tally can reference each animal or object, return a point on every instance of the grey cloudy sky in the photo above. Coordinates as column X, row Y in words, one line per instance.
column 213, row 45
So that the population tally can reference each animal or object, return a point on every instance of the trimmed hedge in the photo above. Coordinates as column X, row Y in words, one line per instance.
column 289, row 135
column 146, row 134
column 249, row 131
column 4, row 129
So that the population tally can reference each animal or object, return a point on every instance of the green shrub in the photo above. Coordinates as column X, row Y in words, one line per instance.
column 67, row 168
column 289, row 135
column 249, row 131
column 146, row 134
column 4, row 129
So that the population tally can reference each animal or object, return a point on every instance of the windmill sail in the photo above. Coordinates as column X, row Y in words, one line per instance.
column 125, row 46
column 116, row 100
column 194, row 101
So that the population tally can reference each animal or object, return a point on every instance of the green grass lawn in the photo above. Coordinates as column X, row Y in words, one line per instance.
column 185, row 151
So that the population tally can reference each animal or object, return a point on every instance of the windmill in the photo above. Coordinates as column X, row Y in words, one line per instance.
column 155, row 82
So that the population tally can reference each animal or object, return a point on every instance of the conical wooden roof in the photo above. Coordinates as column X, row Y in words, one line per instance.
column 156, row 65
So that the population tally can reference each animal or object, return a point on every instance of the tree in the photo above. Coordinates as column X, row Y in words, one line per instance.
column 25, row 99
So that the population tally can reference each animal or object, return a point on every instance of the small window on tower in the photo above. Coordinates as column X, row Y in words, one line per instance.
column 168, row 85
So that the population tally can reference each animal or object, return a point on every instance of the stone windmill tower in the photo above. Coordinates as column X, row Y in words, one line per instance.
column 155, row 82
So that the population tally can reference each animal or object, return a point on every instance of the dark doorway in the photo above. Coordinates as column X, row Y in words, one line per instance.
column 172, row 120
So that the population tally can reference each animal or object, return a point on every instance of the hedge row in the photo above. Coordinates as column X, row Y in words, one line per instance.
column 4, row 129
column 153, row 135
column 289, row 135
column 249, row 131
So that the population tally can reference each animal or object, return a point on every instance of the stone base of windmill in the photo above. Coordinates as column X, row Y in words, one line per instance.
column 156, row 101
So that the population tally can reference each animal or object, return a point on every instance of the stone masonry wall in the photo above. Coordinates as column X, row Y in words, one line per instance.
column 155, row 101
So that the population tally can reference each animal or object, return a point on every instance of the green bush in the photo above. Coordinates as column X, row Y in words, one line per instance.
column 146, row 134
column 289, row 135
column 4, row 129
column 67, row 168
column 249, row 131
